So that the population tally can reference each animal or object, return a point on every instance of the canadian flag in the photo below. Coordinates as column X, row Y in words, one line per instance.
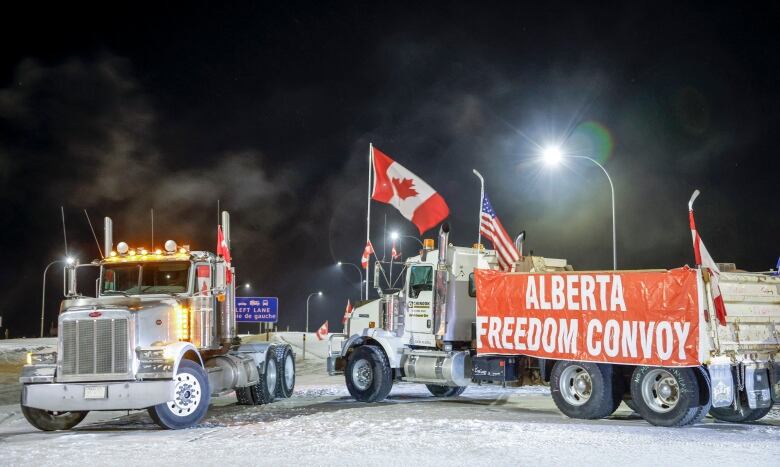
column 347, row 312
column 704, row 260
column 395, row 252
column 224, row 251
column 396, row 185
column 367, row 252
column 322, row 332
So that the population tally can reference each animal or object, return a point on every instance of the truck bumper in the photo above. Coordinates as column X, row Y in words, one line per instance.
column 128, row 395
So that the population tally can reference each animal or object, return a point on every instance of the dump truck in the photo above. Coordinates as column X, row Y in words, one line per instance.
column 598, row 338
column 160, row 335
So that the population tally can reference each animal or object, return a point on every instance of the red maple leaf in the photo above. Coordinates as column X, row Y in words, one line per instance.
column 404, row 188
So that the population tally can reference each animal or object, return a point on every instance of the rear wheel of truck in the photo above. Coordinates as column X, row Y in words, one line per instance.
column 264, row 392
column 286, row 364
column 191, row 399
column 667, row 397
column 445, row 391
column 582, row 389
column 45, row 420
column 368, row 374
column 740, row 415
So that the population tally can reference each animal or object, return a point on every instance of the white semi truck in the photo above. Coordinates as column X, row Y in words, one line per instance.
column 159, row 335
column 431, row 333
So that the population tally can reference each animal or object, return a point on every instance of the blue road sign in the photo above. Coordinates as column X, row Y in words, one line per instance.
column 257, row 309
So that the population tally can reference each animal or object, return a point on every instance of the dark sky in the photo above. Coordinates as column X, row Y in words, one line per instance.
column 270, row 108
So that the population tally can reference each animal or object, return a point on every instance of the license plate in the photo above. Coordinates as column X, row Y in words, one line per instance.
column 95, row 392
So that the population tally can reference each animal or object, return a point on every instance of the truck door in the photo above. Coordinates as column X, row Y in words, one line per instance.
column 419, row 299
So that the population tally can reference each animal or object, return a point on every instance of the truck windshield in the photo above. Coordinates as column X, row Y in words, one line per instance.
column 420, row 278
column 145, row 278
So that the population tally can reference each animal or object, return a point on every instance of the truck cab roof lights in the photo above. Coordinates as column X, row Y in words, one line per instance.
column 170, row 246
column 122, row 248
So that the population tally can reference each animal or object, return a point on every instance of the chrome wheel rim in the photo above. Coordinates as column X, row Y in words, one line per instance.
column 660, row 390
column 362, row 374
column 187, row 395
column 270, row 376
column 576, row 385
column 289, row 371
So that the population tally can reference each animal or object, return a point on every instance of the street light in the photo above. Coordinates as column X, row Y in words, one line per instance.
column 396, row 236
column 69, row 261
column 319, row 293
column 247, row 286
column 360, row 271
column 553, row 156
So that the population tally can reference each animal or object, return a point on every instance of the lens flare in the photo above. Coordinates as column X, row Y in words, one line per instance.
column 593, row 139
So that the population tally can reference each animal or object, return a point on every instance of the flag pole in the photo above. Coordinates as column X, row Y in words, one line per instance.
column 481, row 200
column 368, row 206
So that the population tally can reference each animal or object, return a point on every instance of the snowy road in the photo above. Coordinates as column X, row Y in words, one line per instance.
column 322, row 425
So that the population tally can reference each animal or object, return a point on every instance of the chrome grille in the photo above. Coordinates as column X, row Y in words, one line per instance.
column 94, row 347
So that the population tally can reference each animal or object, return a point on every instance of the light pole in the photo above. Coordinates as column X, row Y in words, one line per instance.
column 396, row 236
column 341, row 263
column 67, row 261
column 553, row 156
column 319, row 293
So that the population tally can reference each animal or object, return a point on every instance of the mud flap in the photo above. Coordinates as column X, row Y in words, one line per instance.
column 774, row 380
column 757, row 387
column 722, row 382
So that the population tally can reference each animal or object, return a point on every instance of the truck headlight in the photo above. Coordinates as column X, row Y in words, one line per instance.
column 48, row 358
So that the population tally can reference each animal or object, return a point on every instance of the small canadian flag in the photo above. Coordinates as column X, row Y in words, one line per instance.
column 347, row 312
column 322, row 332
column 367, row 252
column 396, row 254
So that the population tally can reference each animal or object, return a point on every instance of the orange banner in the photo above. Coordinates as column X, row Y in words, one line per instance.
column 640, row 318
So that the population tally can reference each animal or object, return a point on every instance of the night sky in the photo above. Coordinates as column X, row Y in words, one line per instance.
column 270, row 108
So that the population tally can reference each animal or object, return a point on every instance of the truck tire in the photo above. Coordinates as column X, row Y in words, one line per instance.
column 743, row 414
column 368, row 374
column 445, row 391
column 191, row 399
column 244, row 396
column 583, row 390
column 668, row 397
column 705, row 398
column 264, row 392
column 45, row 420
column 285, row 360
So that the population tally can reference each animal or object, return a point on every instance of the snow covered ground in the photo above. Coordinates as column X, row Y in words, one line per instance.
column 322, row 425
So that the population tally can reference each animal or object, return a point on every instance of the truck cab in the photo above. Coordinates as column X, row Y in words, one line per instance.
column 160, row 335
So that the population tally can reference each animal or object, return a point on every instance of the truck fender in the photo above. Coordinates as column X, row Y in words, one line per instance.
column 258, row 353
column 177, row 351
column 354, row 341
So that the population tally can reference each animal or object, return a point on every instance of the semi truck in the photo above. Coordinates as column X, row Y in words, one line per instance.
column 650, row 338
column 159, row 334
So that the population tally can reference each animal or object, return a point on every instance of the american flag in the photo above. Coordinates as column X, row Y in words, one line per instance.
column 490, row 227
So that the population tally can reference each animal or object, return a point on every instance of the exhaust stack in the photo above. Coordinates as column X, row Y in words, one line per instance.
column 108, row 236
column 227, row 318
column 440, row 284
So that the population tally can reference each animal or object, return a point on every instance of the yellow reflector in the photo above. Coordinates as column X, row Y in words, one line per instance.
column 428, row 244
column 478, row 246
column 371, row 324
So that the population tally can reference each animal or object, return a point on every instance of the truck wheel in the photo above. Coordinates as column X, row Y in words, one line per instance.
column 368, row 374
column 582, row 390
column 445, row 391
column 286, row 363
column 45, row 420
column 244, row 396
column 667, row 397
column 264, row 392
column 741, row 415
column 191, row 399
